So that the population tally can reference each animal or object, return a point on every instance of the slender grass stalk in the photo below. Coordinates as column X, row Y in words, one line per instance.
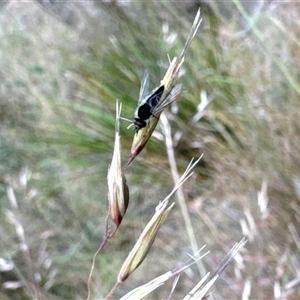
column 166, row 128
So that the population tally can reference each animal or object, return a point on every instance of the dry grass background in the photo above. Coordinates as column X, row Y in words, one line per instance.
column 58, row 85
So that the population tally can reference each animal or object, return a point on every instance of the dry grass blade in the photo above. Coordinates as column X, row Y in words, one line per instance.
column 174, row 68
column 201, row 289
column 186, row 175
column 191, row 294
column 173, row 287
column 142, row 291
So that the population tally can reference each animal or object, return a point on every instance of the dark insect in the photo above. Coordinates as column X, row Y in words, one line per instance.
column 147, row 103
column 145, row 111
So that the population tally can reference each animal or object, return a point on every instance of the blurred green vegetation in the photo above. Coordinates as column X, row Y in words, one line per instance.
column 58, row 87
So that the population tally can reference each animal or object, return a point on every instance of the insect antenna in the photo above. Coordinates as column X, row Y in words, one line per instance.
column 127, row 120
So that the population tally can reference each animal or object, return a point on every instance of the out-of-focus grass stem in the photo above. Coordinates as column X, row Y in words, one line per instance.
column 182, row 203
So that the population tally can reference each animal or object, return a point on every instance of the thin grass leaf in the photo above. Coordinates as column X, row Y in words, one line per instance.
column 201, row 288
column 142, row 291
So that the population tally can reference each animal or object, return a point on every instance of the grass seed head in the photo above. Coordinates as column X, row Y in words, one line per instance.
column 145, row 241
column 118, row 192
column 169, row 96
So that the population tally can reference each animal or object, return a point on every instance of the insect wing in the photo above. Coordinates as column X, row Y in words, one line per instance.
column 168, row 98
column 153, row 100
column 144, row 87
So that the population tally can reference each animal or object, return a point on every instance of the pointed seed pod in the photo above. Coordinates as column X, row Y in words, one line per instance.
column 171, row 91
column 145, row 241
column 118, row 192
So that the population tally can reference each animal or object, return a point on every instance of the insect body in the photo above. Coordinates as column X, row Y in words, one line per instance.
column 148, row 102
column 146, row 108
